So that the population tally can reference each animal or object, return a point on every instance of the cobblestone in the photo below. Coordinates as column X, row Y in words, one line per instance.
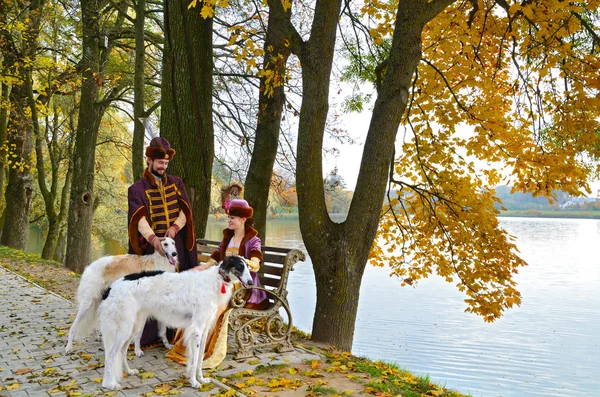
column 34, row 324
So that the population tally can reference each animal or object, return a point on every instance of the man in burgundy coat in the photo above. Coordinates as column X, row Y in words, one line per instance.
column 158, row 208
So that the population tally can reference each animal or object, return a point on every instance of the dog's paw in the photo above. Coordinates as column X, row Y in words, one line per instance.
column 204, row 380
column 194, row 383
column 68, row 349
column 139, row 352
column 111, row 385
column 168, row 346
column 133, row 371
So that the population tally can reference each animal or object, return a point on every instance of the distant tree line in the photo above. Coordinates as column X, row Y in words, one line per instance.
column 526, row 201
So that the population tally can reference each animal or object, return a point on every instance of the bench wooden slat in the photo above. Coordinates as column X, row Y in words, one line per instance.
column 274, row 270
column 276, row 249
column 269, row 282
column 273, row 258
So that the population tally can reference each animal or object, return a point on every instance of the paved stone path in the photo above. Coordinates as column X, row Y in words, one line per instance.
column 34, row 324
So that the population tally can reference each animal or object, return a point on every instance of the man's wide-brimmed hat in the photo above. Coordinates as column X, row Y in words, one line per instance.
column 160, row 149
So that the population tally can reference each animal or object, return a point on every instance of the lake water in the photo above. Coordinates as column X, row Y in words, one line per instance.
column 549, row 346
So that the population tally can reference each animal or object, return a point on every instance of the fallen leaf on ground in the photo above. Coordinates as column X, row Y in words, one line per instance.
column 146, row 375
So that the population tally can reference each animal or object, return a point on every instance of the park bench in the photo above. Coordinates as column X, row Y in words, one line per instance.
column 255, row 329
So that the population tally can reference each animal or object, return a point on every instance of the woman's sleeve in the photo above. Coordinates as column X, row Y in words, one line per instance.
column 254, row 249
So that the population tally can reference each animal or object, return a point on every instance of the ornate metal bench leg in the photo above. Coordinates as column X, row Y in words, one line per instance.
column 244, row 338
column 285, row 346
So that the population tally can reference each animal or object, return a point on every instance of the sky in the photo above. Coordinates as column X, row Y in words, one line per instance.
column 350, row 155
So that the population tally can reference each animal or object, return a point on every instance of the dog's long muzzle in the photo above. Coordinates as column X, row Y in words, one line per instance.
column 245, row 284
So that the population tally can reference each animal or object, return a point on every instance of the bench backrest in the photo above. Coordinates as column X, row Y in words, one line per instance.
column 273, row 273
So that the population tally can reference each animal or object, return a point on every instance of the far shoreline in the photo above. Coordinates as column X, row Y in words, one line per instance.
column 550, row 214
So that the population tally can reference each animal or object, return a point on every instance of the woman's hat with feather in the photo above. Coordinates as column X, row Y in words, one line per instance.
column 233, row 205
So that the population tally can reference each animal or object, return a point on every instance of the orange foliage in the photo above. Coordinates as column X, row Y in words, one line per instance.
column 502, row 95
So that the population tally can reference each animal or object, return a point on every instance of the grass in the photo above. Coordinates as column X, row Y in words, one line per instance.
column 388, row 379
column 15, row 255
column 323, row 390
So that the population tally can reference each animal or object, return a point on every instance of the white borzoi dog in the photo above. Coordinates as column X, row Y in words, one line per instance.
column 100, row 274
column 188, row 300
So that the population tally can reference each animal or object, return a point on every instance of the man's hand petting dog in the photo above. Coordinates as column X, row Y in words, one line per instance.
column 156, row 243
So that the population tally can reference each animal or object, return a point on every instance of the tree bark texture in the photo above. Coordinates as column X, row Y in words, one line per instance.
column 186, row 105
column 81, row 208
column 7, row 62
column 19, row 190
column 340, row 251
column 4, row 111
column 270, row 109
column 137, row 147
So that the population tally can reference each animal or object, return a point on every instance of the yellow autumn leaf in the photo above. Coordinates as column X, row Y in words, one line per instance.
column 97, row 380
column 254, row 362
column 292, row 371
column 207, row 11
column 287, row 4
column 435, row 392
column 146, row 375
column 13, row 386
column 162, row 388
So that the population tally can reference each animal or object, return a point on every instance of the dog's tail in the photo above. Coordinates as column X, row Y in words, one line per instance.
column 89, row 295
column 87, row 323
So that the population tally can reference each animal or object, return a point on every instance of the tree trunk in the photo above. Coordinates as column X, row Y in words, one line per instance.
column 61, row 246
column 7, row 62
column 4, row 112
column 340, row 251
column 57, row 224
column 19, row 191
column 137, row 147
column 270, row 105
column 186, row 111
column 81, row 211
column 338, row 275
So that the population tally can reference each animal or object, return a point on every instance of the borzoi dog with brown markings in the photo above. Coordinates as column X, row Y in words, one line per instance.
column 188, row 300
column 100, row 274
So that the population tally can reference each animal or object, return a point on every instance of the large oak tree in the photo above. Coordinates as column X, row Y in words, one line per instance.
column 523, row 76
